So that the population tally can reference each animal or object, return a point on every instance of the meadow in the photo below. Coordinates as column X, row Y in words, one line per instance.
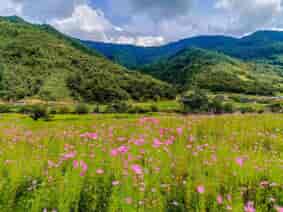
column 141, row 163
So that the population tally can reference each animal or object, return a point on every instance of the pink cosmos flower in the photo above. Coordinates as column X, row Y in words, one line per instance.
column 114, row 152
column 157, row 143
column 123, row 149
column 93, row 136
column 279, row 209
column 249, row 207
column 180, row 131
column 69, row 155
column 115, row 183
column 219, row 199
column 76, row 164
column 84, row 168
column 99, row 171
column 137, row 169
column 191, row 138
column 240, row 161
column 169, row 142
column 200, row 189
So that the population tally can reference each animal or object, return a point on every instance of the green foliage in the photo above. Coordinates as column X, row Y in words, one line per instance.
column 276, row 107
column 216, row 72
column 81, row 108
column 5, row 108
column 261, row 46
column 197, row 101
column 118, row 107
column 39, row 112
column 38, row 61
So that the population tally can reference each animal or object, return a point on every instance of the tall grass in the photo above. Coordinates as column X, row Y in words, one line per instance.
column 132, row 163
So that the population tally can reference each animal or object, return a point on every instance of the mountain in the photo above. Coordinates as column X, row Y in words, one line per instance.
column 134, row 56
column 38, row 61
column 216, row 72
column 261, row 46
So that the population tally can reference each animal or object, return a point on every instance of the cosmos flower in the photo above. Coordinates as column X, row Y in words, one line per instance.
column 249, row 207
column 200, row 189
column 219, row 199
column 137, row 169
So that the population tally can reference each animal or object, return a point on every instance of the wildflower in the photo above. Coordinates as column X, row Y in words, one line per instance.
column 137, row 169
column 179, row 131
column 200, row 189
column 240, row 161
column 123, row 149
column 93, row 136
column 99, row 171
column 84, row 168
column 69, row 155
column 157, row 143
column 115, row 182
column 129, row 200
column 114, row 152
column 249, row 207
column 219, row 199
column 279, row 209
column 76, row 164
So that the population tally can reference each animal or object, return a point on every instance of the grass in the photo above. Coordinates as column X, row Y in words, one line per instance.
column 134, row 163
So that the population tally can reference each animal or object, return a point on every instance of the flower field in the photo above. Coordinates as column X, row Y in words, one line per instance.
column 135, row 163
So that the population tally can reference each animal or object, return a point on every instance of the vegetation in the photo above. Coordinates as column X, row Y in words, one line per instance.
column 38, row 61
column 261, row 46
column 216, row 72
column 134, row 163
column 39, row 112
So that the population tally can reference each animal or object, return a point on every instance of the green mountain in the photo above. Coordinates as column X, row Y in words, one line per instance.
column 38, row 61
column 261, row 46
column 216, row 72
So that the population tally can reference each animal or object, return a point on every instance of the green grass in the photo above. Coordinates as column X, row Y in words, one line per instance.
column 38, row 163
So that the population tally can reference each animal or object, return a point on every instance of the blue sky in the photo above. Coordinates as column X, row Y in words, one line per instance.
column 149, row 22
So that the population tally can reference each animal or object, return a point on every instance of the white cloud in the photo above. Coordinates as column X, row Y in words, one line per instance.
column 149, row 22
column 91, row 24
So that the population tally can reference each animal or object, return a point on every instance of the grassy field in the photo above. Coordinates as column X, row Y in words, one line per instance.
column 135, row 163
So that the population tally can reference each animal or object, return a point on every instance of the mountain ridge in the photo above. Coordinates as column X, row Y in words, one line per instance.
column 260, row 45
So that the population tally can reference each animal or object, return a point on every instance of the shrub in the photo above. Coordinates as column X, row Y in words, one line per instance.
column 216, row 106
column 118, row 107
column 197, row 101
column 247, row 109
column 96, row 109
column 154, row 108
column 138, row 110
column 229, row 108
column 276, row 107
column 25, row 109
column 5, row 109
column 39, row 112
column 63, row 110
column 52, row 111
column 81, row 109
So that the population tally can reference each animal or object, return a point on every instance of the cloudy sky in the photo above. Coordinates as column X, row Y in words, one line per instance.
column 149, row 22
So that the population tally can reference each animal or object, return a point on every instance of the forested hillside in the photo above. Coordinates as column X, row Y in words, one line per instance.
column 217, row 72
column 38, row 61
column 261, row 46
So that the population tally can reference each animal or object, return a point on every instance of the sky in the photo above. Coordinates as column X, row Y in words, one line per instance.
column 149, row 22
